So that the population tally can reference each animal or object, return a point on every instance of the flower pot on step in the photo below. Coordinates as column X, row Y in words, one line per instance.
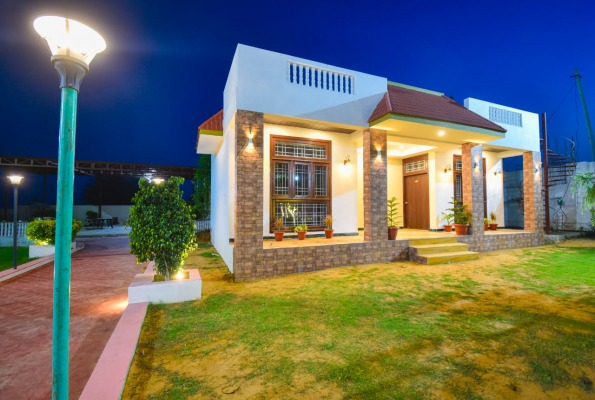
column 279, row 235
column 301, row 235
column 485, row 227
column 328, row 233
column 447, row 228
column 392, row 233
column 493, row 226
column 461, row 229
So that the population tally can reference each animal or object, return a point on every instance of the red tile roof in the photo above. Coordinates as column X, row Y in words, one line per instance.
column 411, row 102
column 215, row 123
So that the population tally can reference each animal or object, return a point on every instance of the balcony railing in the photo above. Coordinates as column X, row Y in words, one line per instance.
column 7, row 231
column 320, row 78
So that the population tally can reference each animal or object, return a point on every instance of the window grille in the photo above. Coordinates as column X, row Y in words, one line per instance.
column 320, row 180
column 459, row 187
column 501, row 116
column 414, row 166
column 318, row 78
column 294, row 214
column 458, row 164
column 282, row 179
column 302, row 184
column 302, row 150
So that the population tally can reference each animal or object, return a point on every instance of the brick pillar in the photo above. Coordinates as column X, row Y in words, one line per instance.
column 473, row 190
column 532, row 187
column 375, row 219
column 248, row 242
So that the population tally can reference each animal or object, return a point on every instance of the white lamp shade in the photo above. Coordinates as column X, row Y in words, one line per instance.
column 15, row 179
column 68, row 37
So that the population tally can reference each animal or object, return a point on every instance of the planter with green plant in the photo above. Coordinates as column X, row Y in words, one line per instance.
column 486, row 223
column 460, row 216
column 162, row 226
column 328, row 232
column 448, row 217
column 279, row 232
column 301, row 231
column 393, row 218
column 43, row 233
column 493, row 223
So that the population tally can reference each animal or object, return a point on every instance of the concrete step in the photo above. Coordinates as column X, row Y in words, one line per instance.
column 457, row 256
column 436, row 240
column 441, row 248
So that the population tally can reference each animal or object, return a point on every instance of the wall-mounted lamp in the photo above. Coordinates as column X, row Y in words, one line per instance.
column 347, row 161
column 536, row 168
column 447, row 169
column 250, row 141
column 379, row 155
column 476, row 166
column 498, row 172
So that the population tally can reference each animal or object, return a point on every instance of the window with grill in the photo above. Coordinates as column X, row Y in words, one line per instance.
column 300, row 181
column 502, row 116
column 414, row 166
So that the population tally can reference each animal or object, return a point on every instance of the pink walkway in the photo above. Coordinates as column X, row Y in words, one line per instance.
column 101, row 274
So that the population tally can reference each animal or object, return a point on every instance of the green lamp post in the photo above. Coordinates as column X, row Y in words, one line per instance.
column 73, row 46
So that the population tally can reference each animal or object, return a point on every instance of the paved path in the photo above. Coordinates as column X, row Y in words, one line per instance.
column 101, row 274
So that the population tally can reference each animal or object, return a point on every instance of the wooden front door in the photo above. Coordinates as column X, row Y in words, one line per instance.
column 416, row 193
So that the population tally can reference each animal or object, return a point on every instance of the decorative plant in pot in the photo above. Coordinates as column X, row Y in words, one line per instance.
column 448, row 217
column 43, row 233
column 461, row 217
column 486, row 223
column 493, row 223
column 162, row 226
column 393, row 218
column 301, row 231
column 328, row 232
column 279, row 232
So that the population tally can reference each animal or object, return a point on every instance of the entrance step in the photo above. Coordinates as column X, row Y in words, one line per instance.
column 436, row 240
column 432, row 251
column 443, row 258
column 441, row 248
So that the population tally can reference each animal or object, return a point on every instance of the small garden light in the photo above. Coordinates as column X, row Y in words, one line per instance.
column 180, row 275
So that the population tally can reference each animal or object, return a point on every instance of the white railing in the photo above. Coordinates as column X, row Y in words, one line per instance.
column 6, row 229
column 320, row 78
column 202, row 225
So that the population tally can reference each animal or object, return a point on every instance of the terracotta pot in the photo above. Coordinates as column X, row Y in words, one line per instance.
column 301, row 235
column 279, row 236
column 485, row 227
column 328, row 233
column 447, row 228
column 461, row 229
column 493, row 226
column 392, row 233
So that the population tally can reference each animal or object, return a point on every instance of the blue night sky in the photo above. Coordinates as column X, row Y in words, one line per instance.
column 165, row 67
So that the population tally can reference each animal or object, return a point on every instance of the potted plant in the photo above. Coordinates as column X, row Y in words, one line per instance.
column 461, row 217
column 393, row 218
column 280, row 230
column 448, row 217
column 328, row 232
column 43, row 233
column 486, row 223
column 301, row 231
column 493, row 224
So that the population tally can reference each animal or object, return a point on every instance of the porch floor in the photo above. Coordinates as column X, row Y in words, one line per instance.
column 404, row 234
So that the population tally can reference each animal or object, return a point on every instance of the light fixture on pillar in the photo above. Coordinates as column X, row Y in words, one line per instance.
column 250, row 141
column 347, row 161
column 448, row 169
column 498, row 172
column 536, row 168
column 379, row 153
column 476, row 166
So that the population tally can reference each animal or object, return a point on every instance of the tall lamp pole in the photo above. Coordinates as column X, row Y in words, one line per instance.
column 73, row 46
column 16, row 181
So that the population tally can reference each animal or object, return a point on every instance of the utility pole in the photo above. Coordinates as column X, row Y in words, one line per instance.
column 546, row 184
column 577, row 77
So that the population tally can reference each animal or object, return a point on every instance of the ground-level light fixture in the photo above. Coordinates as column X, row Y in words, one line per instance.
column 73, row 46
column 498, row 172
column 180, row 275
column 347, row 160
column 158, row 180
column 447, row 169
column 16, row 181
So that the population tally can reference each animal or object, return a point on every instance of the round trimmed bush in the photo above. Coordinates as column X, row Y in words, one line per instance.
column 43, row 231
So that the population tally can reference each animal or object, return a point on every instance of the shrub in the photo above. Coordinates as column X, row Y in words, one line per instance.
column 92, row 214
column 393, row 213
column 43, row 231
column 162, row 226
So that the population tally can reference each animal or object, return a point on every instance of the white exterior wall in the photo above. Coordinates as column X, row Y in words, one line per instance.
column 344, row 178
column 519, row 138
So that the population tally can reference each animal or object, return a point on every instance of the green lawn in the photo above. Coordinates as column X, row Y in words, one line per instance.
column 6, row 257
column 513, row 324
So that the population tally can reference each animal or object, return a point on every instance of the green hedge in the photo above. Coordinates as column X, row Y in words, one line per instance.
column 44, row 231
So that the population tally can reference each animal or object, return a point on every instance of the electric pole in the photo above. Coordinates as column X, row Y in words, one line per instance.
column 577, row 77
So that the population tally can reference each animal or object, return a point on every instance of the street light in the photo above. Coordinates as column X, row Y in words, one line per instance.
column 16, row 181
column 73, row 46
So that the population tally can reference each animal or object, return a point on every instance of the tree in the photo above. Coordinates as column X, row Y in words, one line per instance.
column 162, row 226
column 201, row 199
column 585, row 183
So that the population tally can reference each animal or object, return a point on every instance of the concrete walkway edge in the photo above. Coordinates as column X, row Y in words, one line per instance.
column 109, row 376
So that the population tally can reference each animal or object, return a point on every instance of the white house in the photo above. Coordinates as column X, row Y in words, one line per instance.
column 300, row 140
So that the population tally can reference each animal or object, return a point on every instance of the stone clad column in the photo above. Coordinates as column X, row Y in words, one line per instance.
column 375, row 190
column 473, row 190
column 248, row 241
column 532, row 189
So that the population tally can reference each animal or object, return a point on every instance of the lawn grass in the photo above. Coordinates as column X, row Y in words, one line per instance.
column 515, row 323
column 6, row 257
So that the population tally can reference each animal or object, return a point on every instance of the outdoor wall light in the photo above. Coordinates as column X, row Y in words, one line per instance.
column 250, row 141
column 15, row 179
column 379, row 153
column 498, row 172
column 447, row 169
column 476, row 166
column 347, row 161
column 158, row 180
